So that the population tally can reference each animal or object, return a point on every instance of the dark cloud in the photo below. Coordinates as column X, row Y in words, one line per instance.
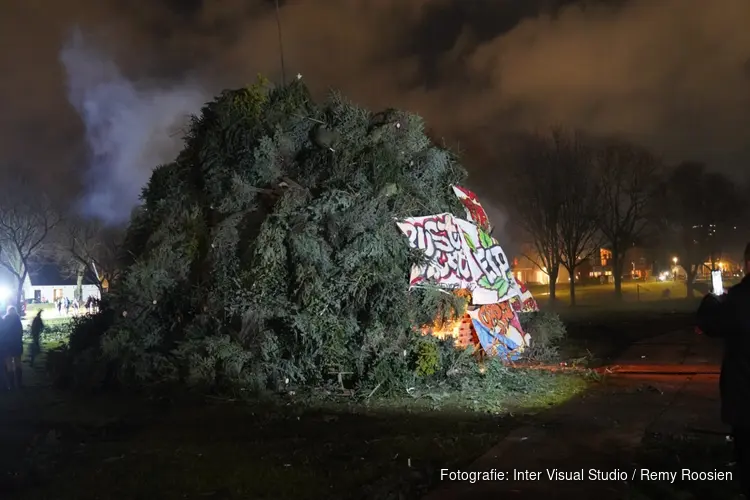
column 673, row 74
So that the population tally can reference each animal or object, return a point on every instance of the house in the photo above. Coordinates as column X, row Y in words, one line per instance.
column 527, row 269
column 724, row 262
column 638, row 264
column 47, row 285
column 597, row 268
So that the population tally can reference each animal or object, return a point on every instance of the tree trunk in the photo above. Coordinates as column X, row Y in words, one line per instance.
column 690, row 272
column 553, row 272
column 79, row 286
column 618, row 262
column 571, row 274
column 19, row 293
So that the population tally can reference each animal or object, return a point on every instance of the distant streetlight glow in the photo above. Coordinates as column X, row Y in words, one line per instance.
column 4, row 293
column 674, row 259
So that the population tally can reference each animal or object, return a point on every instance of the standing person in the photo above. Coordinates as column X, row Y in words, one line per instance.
column 67, row 306
column 37, row 326
column 12, row 341
column 728, row 317
column 58, row 303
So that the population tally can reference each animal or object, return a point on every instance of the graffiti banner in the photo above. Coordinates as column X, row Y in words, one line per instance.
column 442, row 241
column 474, row 210
column 496, row 282
column 461, row 255
column 499, row 330
column 524, row 302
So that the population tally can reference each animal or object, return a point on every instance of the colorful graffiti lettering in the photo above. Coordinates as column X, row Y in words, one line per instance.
column 521, row 304
column 499, row 330
column 527, row 299
column 491, row 261
column 524, row 302
column 459, row 255
column 442, row 243
column 474, row 209
column 496, row 316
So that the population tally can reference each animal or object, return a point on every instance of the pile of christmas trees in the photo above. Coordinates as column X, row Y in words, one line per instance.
column 267, row 253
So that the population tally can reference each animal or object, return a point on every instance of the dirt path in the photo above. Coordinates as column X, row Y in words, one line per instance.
column 665, row 384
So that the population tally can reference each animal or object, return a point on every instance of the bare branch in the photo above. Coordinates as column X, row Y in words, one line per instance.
column 26, row 219
column 627, row 176
column 88, row 248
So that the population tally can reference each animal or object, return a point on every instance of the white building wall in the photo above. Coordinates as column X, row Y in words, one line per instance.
column 50, row 293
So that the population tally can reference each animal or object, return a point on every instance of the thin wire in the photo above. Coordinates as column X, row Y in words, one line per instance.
column 281, row 44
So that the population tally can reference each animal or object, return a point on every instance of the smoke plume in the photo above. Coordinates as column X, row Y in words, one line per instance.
column 673, row 75
column 129, row 128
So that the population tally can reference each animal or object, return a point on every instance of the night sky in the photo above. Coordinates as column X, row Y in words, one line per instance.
column 672, row 74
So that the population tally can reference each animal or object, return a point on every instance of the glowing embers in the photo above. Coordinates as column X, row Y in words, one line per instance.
column 457, row 325
column 462, row 254
column 460, row 329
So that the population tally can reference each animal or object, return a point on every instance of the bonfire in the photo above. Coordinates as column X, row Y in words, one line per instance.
column 464, row 259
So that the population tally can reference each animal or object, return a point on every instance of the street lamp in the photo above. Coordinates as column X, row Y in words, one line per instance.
column 674, row 259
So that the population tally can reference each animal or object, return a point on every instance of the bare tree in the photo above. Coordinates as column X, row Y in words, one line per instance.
column 26, row 219
column 535, row 200
column 627, row 175
column 578, row 233
column 88, row 251
column 699, row 210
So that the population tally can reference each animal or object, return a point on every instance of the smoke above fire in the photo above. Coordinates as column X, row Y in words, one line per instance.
column 671, row 74
column 129, row 128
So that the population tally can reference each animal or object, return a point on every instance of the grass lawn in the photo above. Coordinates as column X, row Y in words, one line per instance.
column 123, row 446
column 698, row 453
column 604, row 295
column 33, row 308
column 298, row 446
column 598, row 334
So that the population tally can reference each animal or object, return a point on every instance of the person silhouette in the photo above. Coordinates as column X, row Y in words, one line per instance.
column 36, row 332
column 727, row 317
column 11, row 339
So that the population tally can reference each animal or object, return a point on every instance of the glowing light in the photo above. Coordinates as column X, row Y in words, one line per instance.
column 450, row 328
column 674, row 259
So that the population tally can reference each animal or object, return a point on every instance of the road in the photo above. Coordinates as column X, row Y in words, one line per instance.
column 666, row 384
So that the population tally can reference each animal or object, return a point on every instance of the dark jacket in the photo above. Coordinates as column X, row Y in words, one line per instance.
column 728, row 317
column 12, row 335
column 37, row 325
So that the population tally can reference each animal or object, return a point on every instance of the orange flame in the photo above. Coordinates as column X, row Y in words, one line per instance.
column 449, row 328
column 458, row 326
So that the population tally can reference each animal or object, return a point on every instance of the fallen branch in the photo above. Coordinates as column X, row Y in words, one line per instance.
column 375, row 389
